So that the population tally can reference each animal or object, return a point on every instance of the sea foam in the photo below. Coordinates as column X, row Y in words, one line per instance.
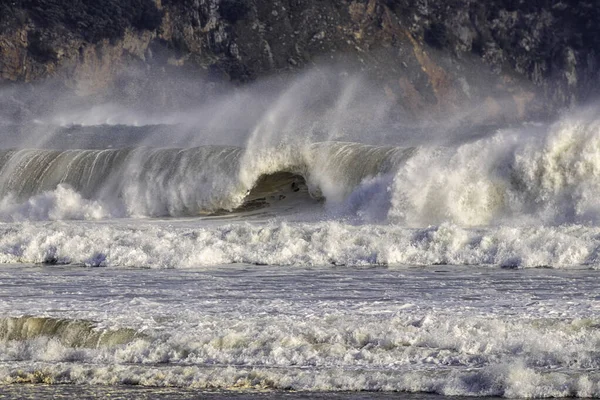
column 148, row 245
column 439, row 354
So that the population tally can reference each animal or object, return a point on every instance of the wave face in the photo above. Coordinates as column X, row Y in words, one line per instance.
column 69, row 333
column 134, row 182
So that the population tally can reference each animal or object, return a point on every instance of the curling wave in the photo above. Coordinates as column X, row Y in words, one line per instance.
column 92, row 184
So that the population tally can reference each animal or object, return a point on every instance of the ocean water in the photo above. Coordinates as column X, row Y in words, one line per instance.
column 302, row 268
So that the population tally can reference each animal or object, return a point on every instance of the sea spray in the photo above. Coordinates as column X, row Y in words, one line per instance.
column 513, row 176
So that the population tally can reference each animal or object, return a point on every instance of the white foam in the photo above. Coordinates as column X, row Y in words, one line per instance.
column 449, row 330
column 63, row 203
column 472, row 356
column 515, row 176
column 510, row 382
column 148, row 245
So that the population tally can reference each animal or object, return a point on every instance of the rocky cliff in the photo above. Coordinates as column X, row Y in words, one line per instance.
column 539, row 56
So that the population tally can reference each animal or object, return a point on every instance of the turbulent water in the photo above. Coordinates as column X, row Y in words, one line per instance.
column 464, row 269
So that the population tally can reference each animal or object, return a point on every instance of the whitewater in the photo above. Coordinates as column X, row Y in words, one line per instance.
column 302, row 263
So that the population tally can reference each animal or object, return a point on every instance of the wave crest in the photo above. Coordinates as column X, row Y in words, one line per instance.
column 93, row 184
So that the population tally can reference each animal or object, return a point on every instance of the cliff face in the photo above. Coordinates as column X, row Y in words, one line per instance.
column 427, row 56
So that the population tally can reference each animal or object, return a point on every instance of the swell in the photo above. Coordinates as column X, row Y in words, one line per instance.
column 69, row 332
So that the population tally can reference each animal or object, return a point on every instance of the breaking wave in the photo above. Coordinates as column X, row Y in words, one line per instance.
column 548, row 174
column 42, row 184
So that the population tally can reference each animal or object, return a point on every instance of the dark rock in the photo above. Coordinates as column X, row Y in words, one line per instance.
column 428, row 56
column 234, row 10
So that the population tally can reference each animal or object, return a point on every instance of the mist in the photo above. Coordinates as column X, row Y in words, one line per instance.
column 323, row 103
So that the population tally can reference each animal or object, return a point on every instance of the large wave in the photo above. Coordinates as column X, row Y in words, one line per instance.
column 179, row 182
column 529, row 174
